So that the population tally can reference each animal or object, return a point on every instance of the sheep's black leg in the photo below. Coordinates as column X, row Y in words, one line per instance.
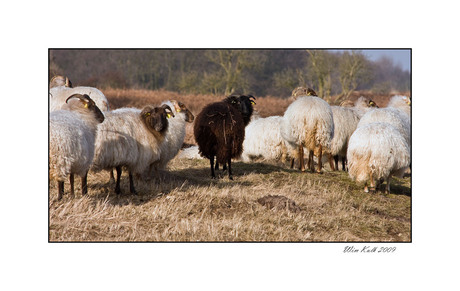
column 117, row 185
column 60, row 190
column 213, row 174
column 344, row 162
column 224, row 167
column 292, row 163
column 131, row 184
column 230, row 176
column 336, row 160
column 71, row 180
column 84, row 184
column 217, row 166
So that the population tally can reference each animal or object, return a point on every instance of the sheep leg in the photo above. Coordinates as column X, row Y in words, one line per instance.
column 117, row 185
column 336, row 161
column 229, row 169
column 320, row 157
column 84, row 184
column 71, row 180
column 60, row 189
column 311, row 163
column 224, row 167
column 112, row 177
column 301, row 159
column 131, row 184
column 292, row 163
column 331, row 162
column 217, row 166
column 213, row 174
column 372, row 184
column 387, row 186
column 344, row 162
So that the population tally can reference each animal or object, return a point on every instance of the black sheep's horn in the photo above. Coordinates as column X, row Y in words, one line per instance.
column 252, row 97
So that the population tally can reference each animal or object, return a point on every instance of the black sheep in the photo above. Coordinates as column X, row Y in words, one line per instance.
column 219, row 129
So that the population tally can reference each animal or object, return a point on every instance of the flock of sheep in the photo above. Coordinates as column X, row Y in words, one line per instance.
column 373, row 143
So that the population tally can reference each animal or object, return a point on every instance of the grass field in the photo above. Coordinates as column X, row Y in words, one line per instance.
column 184, row 204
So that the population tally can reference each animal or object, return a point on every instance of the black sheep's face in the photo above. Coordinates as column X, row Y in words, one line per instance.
column 246, row 103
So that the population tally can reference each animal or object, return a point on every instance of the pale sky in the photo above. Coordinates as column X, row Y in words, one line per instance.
column 400, row 57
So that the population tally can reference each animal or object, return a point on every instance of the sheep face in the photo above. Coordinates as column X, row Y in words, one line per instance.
column 243, row 103
column 83, row 104
column 156, row 118
column 180, row 107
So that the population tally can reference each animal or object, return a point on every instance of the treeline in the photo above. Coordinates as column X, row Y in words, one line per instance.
column 259, row 72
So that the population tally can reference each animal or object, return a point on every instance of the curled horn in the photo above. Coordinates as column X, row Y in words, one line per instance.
column 79, row 96
column 252, row 101
column 165, row 106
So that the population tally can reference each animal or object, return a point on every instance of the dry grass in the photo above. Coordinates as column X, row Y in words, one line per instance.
column 184, row 204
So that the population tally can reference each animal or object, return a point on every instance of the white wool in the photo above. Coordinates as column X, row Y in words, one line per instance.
column 309, row 121
column 400, row 102
column 263, row 140
column 395, row 117
column 71, row 140
column 378, row 149
column 345, row 122
column 173, row 138
column 190, row 153
column 124, row 140
column 58, row 96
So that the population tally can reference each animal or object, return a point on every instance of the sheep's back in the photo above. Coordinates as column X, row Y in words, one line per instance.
column 377, row 148
column 219, row 131
column 58, row 96
column 308, row 120
column 345, row 123
column 392, row 116
column 71, row 145
column 263, row 138
column 123, row 140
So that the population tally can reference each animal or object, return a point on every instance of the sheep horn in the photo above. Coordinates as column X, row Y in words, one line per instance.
column 252, row 101
column 165, row 106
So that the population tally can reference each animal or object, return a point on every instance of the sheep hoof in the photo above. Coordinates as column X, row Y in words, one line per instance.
column 319, row 172
column 231, row 178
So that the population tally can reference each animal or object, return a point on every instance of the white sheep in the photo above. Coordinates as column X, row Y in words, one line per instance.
column 263, row 140
column 71, row 139
column 397, row 118
column 377, row 151
column 192, row 152
column 174, row 134
column 401, row 102
column 58, row 95
column 57, row 81
column 130, row 138
column 308, row 122
column 346, row 120
column 345, row 123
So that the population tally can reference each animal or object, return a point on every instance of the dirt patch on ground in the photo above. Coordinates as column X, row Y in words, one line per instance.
column 279, row 202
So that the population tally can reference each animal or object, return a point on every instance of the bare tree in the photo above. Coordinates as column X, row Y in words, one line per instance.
column 354, row 69
column 232, row 62
column 322, row 64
